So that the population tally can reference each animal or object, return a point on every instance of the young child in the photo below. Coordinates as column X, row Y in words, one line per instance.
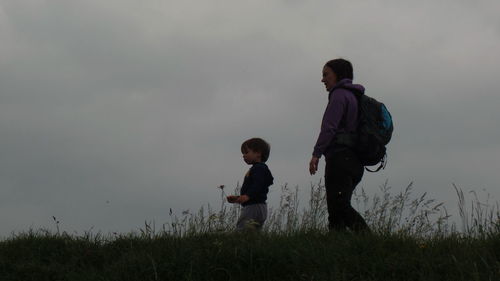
column 253, row 194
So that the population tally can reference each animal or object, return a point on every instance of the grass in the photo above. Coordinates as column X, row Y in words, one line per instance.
column 412, row 239
column 246, row 256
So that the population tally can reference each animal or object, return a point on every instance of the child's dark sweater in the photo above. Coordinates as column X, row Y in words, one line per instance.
column 256, row 184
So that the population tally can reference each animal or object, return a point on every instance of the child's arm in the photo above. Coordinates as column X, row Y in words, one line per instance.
column 237, row 199
column 232, row 198
column 260, row 181
column 242, row 199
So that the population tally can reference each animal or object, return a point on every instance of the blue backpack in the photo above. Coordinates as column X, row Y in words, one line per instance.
column 373, row 133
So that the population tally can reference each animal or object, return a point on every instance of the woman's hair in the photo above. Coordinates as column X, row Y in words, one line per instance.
column 341, row 67
column 257, row 145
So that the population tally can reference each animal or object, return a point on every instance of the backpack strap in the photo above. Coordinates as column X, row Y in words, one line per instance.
column 383, row 163
column 349, row 139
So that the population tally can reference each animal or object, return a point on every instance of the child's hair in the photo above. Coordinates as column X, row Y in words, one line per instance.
column 257, row 145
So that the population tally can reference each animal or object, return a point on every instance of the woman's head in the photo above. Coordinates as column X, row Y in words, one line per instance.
column 336, row 70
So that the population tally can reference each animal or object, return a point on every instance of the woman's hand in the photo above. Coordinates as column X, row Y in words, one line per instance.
column 313, row 165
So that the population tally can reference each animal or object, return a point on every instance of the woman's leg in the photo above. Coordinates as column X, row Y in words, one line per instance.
column 342, row 173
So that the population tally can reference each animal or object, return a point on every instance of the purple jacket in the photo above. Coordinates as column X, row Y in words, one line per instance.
column 341, row 116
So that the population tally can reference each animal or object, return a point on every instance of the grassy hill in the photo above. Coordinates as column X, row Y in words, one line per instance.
column 411, row 239
column 298, row 256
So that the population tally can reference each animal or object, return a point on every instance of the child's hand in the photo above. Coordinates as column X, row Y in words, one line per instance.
column 232, row 198
column 242, row 199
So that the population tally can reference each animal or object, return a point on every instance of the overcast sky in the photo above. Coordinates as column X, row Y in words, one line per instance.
column 113, row 112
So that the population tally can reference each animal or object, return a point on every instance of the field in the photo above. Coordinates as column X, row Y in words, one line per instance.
column 411, row 239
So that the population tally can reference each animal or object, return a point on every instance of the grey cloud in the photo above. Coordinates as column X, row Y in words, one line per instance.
column 146, row 105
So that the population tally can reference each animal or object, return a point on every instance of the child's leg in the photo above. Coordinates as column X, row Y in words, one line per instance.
column 252, row 217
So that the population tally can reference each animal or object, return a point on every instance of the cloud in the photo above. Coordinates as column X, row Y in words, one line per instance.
column 145, row 105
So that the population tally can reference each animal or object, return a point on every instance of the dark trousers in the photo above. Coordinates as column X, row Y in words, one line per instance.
column 343, row 172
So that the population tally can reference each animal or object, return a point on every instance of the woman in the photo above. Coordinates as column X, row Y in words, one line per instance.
column 343, row 170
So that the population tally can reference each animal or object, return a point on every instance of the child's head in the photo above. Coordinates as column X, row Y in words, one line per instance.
column 255, row 150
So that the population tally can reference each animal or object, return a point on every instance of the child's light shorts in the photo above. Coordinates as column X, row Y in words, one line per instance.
column 252, row 217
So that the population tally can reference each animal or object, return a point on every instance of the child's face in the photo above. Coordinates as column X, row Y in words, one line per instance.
column 251, row 157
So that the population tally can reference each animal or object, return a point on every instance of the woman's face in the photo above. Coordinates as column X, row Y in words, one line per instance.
column 329, row 78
